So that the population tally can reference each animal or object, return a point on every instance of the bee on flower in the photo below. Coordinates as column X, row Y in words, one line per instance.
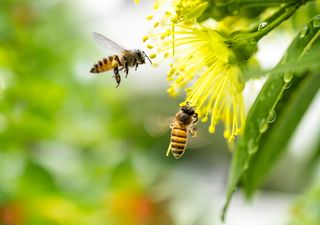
column 205, row 65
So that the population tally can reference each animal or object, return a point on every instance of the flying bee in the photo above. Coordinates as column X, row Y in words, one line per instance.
column 120, row 61
column 180, row 127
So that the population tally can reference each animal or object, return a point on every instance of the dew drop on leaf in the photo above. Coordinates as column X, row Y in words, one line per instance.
column 252, row 147
column 303, row 32
column 316, row 21
column 263, row 126
column 272, row 116
column 287, row 77
column 262, row 25
column 287, row 85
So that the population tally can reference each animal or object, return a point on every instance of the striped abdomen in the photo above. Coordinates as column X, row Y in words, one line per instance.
column 105, row 64
column 178, row 141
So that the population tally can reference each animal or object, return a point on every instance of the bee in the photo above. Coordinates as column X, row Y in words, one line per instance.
column 120, row 61
column 180, row 127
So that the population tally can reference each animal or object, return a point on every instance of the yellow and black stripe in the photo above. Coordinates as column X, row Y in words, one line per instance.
column 178, row 141
column 105, row 64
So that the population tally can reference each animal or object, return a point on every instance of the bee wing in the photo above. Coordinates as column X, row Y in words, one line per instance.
column 106, row 44
column 157, row 124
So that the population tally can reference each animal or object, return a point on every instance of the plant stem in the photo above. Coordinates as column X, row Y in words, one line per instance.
column 287, row 13
column 268, row 20
column 278, row 17
column 265, row 3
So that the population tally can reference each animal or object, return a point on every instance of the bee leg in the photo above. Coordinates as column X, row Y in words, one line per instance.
column 118, row 79
column 168, row 150
column 136, row 66
column 126, row 69
column 196, row 118
column 193, row 131
column 117, row 76
column 119, row 62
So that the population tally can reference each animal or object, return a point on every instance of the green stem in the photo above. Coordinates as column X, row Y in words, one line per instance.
column 287, row 13
column 266, row 3
column 278, row 17
column 268, row 20
column 244, row 45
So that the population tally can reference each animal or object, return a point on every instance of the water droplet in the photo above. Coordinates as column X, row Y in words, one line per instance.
column 253, row 150
column 263, row 126
column 287, row 85
column 316, row 21
column 287, row 77
column 252, row 147
column 272, row 116
column 303, row 31
column 262, row 25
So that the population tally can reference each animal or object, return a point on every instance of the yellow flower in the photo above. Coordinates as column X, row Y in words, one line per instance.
column 189, row 9
column 202, row 68
column 137, row 1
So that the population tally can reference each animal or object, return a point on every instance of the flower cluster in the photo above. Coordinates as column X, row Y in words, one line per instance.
column 204, row 65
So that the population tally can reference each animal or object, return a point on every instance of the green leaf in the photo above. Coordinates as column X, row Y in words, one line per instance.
column 290, row 110
column 308, row 62
column 263, row 109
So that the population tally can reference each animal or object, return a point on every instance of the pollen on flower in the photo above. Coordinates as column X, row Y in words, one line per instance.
column 154, row 64
column 170, row 78
column 149, row 46
column 153, row 55
column 149, row 17
column 156, row 5
column 204, row 119
column 201, row 65
column 171, row 92
column 145, row 38
column 172, row 71
column 212, row 129
column 202, row 60
column 168, row 14
column 189, row 9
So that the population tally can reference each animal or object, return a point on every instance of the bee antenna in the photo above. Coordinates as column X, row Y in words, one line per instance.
column 147, row 57
column 189, row 103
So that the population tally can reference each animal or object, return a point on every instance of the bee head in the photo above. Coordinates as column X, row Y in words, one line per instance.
column 188, row 109
column 140, row 56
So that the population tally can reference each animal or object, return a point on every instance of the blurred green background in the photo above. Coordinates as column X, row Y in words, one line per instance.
column 75, row 150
